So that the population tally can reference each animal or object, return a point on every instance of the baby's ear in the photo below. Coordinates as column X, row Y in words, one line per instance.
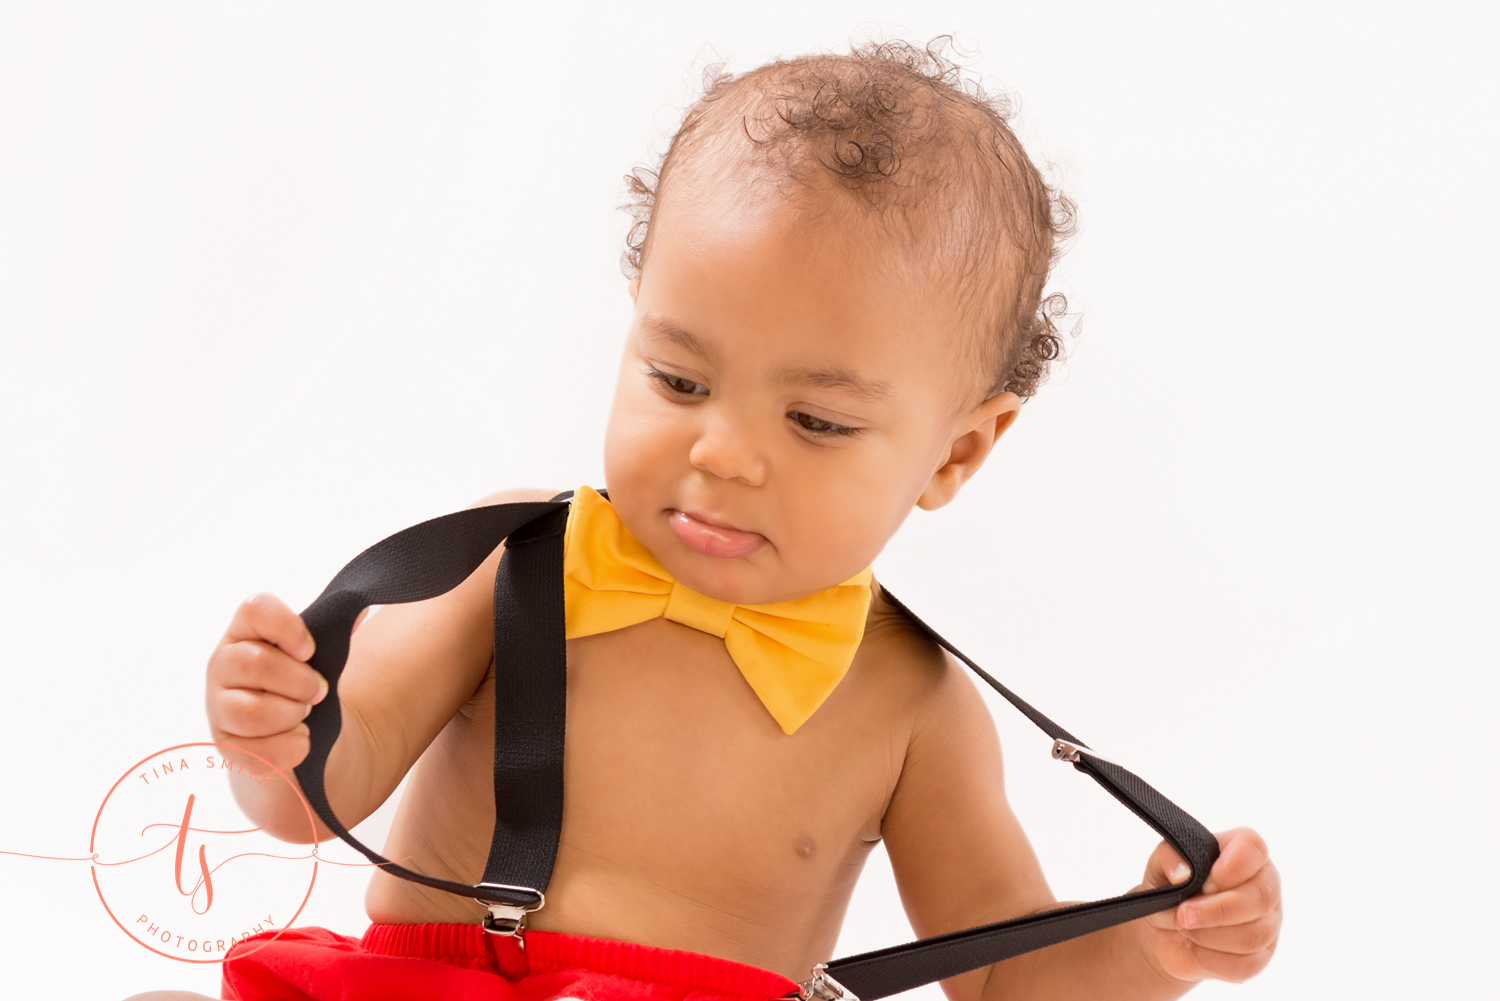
column 634, row 286
column 976, row 437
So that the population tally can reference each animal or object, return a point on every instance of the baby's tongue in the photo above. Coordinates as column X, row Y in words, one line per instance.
column 714, row 540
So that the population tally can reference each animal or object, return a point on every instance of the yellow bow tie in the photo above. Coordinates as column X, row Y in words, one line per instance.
column 793, row 653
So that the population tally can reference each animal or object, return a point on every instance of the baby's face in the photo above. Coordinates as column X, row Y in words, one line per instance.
column 786, row 397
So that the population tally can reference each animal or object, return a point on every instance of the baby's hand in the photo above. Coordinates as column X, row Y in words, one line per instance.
column 1230, row 931
column 260, row 688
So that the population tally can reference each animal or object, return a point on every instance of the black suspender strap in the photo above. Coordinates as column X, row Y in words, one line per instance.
column 530, row 729
column 531, row 701
column 425, row 561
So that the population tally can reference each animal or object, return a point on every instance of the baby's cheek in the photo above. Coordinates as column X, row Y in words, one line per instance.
column 837, row 535
column 637, row 449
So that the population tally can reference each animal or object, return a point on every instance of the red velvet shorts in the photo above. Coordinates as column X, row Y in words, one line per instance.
column 463, row 962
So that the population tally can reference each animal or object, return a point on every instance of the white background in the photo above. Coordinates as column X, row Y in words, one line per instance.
column 275, row 282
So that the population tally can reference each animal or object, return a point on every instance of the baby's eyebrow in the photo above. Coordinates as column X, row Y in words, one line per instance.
column 876, row 391
column 656, row 326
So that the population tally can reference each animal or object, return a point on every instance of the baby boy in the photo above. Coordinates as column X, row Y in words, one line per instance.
column 837, row 275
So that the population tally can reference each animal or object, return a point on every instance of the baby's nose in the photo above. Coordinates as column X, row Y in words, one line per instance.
column 727, row 450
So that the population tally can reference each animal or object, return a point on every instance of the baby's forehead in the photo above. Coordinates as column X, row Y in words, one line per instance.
column 914, row 248
column 785, row 314
column 863, row 263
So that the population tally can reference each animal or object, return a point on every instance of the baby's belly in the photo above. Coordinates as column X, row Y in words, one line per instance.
column 690, row 820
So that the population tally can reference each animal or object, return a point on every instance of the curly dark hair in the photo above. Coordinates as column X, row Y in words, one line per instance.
column 905, row 131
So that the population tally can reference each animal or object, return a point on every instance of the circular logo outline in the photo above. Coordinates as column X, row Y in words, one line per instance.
column 306, row 807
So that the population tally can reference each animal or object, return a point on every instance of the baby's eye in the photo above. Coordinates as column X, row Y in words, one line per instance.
column 677, row 384
column 818, row 427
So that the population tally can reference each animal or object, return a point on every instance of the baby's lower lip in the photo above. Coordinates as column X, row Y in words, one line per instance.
column 713, row 540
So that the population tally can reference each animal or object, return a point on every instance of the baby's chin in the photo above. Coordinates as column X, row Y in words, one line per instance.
column 746, row 580
column 763, row 578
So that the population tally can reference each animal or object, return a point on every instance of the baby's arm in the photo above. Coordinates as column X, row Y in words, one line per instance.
column 962, row 860
column 410, row 669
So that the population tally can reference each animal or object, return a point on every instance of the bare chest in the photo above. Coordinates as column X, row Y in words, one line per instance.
column 690, row 819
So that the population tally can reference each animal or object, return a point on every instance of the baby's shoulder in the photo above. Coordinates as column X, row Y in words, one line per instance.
column 903, row 663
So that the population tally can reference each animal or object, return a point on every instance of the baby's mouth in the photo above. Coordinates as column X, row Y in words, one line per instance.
column 711, row 539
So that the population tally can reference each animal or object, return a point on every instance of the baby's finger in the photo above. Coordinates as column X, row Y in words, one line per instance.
column 1242, row 854
column 285, row 750
column 262, row 667
column 1230, row 966
column 266, row 617
column 1165, row 866
column 238, row 712
column 1240, row 940
column 1259, row 895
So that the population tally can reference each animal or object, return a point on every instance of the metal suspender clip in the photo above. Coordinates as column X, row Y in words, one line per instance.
column 1064, row 751
column 822, row 987
column 508, row 919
